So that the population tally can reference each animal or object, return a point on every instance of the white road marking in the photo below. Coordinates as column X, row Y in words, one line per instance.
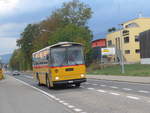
column 90, row 88
column 142, row 91
column 77, row 110
column 49, row 95
column 114, row 87
column 65, row 104
column 61, row 101
column 132, row 97
column 57, row 99
column 82, row 87
column 117, row 94
column 102, row 91
column 103, row 85
column 95, row 84
column 127, row 89
column 70, row 106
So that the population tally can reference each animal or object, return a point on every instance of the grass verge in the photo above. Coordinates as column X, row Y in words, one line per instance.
column 130, row 70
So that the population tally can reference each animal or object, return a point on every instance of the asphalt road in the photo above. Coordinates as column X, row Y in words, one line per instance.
column 95, row 96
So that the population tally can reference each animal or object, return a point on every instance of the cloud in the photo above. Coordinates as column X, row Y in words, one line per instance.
column 9, row 33
column 7, row 45
column 7, row 6
column 12, row 7
column 11, row 29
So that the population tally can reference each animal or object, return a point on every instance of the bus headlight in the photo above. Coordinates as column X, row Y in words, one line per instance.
column 82, row 75
column 56, row 78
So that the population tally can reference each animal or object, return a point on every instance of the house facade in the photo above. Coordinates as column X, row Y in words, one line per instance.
column 127, row 39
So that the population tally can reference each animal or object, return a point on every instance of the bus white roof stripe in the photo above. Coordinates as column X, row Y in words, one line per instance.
column 60, row 43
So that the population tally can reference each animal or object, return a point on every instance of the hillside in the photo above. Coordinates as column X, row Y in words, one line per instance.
column 5, row 58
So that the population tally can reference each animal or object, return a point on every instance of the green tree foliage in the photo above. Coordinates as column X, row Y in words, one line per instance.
column 74, row 12
column 17, row 60
column 73, row 33
column 68, row 23
column 112, row 29
column 26, row 43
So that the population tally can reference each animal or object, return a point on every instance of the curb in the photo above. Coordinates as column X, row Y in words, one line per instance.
column 120, row 80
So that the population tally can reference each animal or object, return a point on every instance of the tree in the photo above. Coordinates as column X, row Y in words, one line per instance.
column 73, row 33
column 17, row 60
column 74, row 12
column 26, row 43
column 68, row 23
column 112, row 29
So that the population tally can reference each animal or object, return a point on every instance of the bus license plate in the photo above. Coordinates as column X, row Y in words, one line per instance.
column 70, row 81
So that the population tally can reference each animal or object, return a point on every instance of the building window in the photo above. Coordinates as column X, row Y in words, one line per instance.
column 125, row 32
column 127, row 51
column 109, row 43
column 136, row 38
column 126, row 39
column 137, row 51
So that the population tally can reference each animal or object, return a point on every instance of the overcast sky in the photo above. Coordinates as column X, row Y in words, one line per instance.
column 16, row 14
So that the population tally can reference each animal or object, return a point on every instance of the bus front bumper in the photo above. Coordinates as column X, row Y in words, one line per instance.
column 74, row 81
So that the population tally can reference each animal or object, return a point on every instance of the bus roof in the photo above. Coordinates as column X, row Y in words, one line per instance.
column 57, row 44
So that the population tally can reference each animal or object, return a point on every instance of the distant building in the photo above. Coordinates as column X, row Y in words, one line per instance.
column 145, row 47
column 96, row 47
column 126, row 39
column 99, row 43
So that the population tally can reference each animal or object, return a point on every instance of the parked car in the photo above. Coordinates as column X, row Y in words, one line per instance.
column 16, row 73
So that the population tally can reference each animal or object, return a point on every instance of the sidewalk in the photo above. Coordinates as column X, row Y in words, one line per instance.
column 133, row 79
column 16, row 97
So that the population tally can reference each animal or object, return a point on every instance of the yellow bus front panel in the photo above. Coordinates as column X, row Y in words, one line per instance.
column 68, row 73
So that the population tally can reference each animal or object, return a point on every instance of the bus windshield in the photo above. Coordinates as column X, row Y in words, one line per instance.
column 67, row 56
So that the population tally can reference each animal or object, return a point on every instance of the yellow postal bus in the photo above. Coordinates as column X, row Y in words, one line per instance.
column 61, row 63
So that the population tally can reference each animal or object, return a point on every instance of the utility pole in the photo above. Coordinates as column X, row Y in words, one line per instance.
column 122, row 53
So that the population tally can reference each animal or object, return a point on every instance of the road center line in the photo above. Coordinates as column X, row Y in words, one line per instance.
column 82, row 87
column 102, row 91
column 61, row 101
column 90, row 88
column 65, row 104
column 77, row 110
column 103, row 85
column 127, row 89
column 142, row 91
column 132, row 97
column 70, row 106
column 117, row 94
column 94, row 84
column 114, row 87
